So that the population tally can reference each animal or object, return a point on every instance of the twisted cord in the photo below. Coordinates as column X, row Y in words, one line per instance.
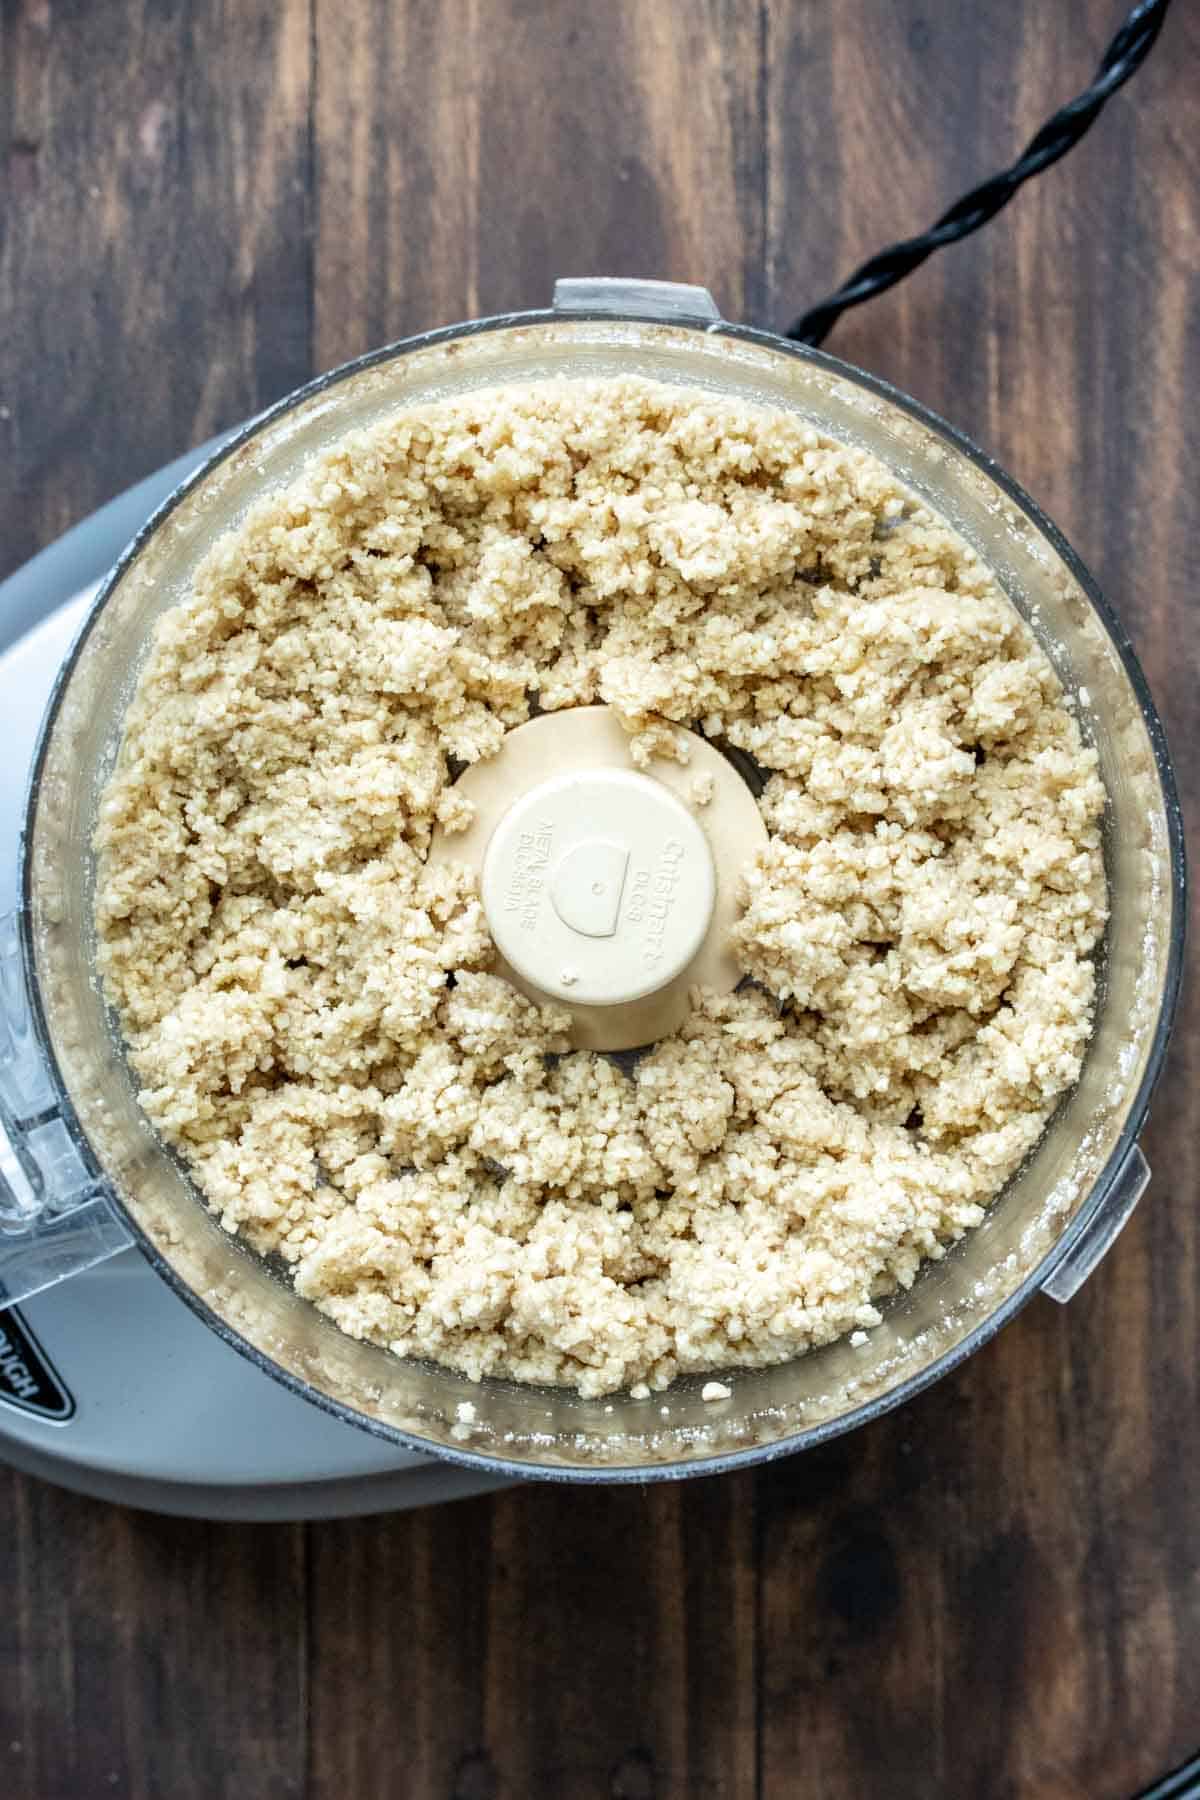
column 1128, row 50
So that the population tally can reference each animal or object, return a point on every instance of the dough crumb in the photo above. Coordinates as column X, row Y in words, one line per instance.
column 312, row 1012
column 715, row 1390
column 455, row 812
column 701, row 789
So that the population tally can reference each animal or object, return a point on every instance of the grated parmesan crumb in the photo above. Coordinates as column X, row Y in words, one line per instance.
column 310, row 1010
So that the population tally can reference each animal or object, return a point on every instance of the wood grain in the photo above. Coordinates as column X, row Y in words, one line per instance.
column 142, row 1657
column 155, row 277
column 995, row 1593
column 466, row 156
column 543, row 1643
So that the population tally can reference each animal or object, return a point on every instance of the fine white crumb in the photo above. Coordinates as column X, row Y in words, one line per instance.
column 465, row 1412
column 715, row 1390
column 701, row 789
column 857, row 1338
column 639, row 1391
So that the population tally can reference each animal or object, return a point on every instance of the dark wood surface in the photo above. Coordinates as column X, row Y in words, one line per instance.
column 996, row 1592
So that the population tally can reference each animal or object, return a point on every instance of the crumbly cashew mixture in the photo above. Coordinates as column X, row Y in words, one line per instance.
column 308, row 1005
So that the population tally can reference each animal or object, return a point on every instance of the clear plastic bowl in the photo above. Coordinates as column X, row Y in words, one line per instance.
column 1052, row 1221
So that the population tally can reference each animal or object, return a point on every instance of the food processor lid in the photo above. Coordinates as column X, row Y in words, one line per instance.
column 598, row 328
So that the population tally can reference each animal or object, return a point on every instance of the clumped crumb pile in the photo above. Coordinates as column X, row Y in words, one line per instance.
column 308, row 1005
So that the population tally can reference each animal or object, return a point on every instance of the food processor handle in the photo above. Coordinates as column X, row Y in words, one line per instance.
column 55, row 1216
column 669, row 300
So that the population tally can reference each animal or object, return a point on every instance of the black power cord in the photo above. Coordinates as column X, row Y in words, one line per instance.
column 1184, row 1784
column 1128, row 50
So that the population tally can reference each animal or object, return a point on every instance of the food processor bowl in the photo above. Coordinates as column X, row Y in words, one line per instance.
column 1047, row 1228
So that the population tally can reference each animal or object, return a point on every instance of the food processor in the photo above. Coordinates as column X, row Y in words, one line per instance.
column 138, row 1302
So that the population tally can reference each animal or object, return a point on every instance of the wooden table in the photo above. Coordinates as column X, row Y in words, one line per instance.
column 995, row 1592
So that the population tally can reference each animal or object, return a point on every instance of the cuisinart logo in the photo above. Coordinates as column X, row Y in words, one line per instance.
column 29, row 1382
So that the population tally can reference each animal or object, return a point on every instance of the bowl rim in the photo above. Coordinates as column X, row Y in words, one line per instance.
column 1077, row 1227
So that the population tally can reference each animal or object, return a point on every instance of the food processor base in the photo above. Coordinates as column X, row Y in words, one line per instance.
column 109, row 1384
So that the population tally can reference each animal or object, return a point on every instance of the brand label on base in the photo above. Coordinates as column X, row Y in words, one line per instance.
column 29, row 1382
